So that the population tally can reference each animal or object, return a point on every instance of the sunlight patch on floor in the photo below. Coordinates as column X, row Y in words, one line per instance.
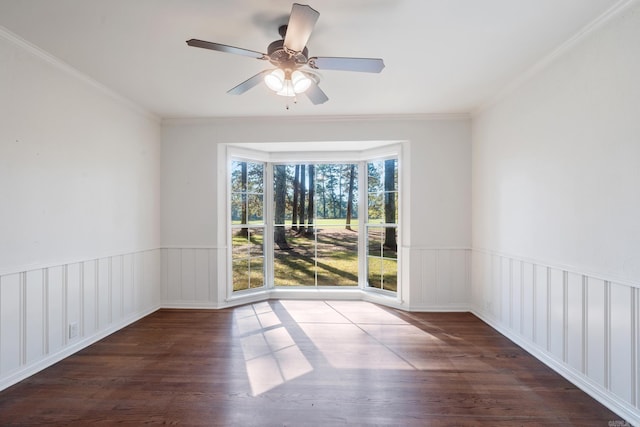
column 312, row 312
column 345, row 346
column 271, row 355
column 348, row 335
column 364, row 312
column 361, row 335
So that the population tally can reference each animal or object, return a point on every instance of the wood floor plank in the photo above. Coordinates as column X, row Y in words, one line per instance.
column 301, row 363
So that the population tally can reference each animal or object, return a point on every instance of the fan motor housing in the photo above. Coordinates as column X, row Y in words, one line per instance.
column 279, row 56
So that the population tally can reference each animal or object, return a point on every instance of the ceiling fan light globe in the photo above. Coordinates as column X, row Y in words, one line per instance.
column 300, row 82
column 287, row 89
column 275, row 80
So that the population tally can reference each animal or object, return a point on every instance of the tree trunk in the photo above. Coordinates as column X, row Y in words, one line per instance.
column 390, row 205
column 350, row 190
column 303, row 193
column 341, row 193
column 324, row 196
column 244, row 231
column 310, row 204
column 296, row 191
column 280, row 178
column 334, row 204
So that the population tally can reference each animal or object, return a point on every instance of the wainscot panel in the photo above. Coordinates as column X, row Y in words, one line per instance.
column 51, row 312
column 582, row 326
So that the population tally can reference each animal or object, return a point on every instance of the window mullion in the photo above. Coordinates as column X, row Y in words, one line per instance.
column 268, row 225
column 363, row 219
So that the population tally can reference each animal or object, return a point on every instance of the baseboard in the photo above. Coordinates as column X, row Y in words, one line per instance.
column 458, row 308
column 623, row 409
column 293, row 294
column 191, row 305
column 307, row 294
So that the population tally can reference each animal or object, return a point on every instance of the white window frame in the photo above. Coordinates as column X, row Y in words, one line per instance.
column 365, row 223
column 272, row 154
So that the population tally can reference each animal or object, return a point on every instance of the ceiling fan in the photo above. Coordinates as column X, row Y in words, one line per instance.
column 294, row 72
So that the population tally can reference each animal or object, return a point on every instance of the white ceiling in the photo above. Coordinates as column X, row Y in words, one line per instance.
column 441, row 56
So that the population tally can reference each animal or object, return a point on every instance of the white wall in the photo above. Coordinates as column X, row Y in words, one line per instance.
column 439, row 161
column 556, row 235
column 79, row 210
column 555, row 263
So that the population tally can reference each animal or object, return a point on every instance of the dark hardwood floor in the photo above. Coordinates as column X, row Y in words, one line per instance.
column 301, row 363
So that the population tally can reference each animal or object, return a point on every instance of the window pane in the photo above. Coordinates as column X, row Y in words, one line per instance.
column 255, row 178
column 256, row 273
column 376, row 207
column 247, row 208
column 374, row 272
column 308, row 197
column 391, row 175
column 256, row 242
column 240, row 243
column 375, row 241
column 391, row 208
column 390, row 243
column 237, row 169
column 248, row 258
column 247, row 242
column 255, row 208
column 295, row 265
column 382, row 241
column 337, row 259
column 382, row 257
column 375, row 176
column 390, row 275
column 240, row 269
column 237, row 208
column 382, row 273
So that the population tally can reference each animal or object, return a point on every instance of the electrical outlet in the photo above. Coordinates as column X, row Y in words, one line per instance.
column 73, row 330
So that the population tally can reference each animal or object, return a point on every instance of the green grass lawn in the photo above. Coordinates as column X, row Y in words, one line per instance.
column 329, row 258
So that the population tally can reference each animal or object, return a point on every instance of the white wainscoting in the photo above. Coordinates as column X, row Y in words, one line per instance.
column 439, row 280
column 190, row 278
column 584, row 327
column 40, row 307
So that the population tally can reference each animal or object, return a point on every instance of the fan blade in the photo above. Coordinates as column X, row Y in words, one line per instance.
column 365, row 65
column 315, row 94
column 301, row 22
column 228, row 49
column 249, row 83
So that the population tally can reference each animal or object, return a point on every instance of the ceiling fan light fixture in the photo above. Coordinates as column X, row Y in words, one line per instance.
column 275, row 80
column 287, row 83
column 300, row 81
column 290, row 55
column 287, row 89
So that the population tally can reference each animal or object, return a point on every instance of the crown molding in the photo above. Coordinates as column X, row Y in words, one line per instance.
column 73, row 72
column 545, row 62
column 318, row 119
